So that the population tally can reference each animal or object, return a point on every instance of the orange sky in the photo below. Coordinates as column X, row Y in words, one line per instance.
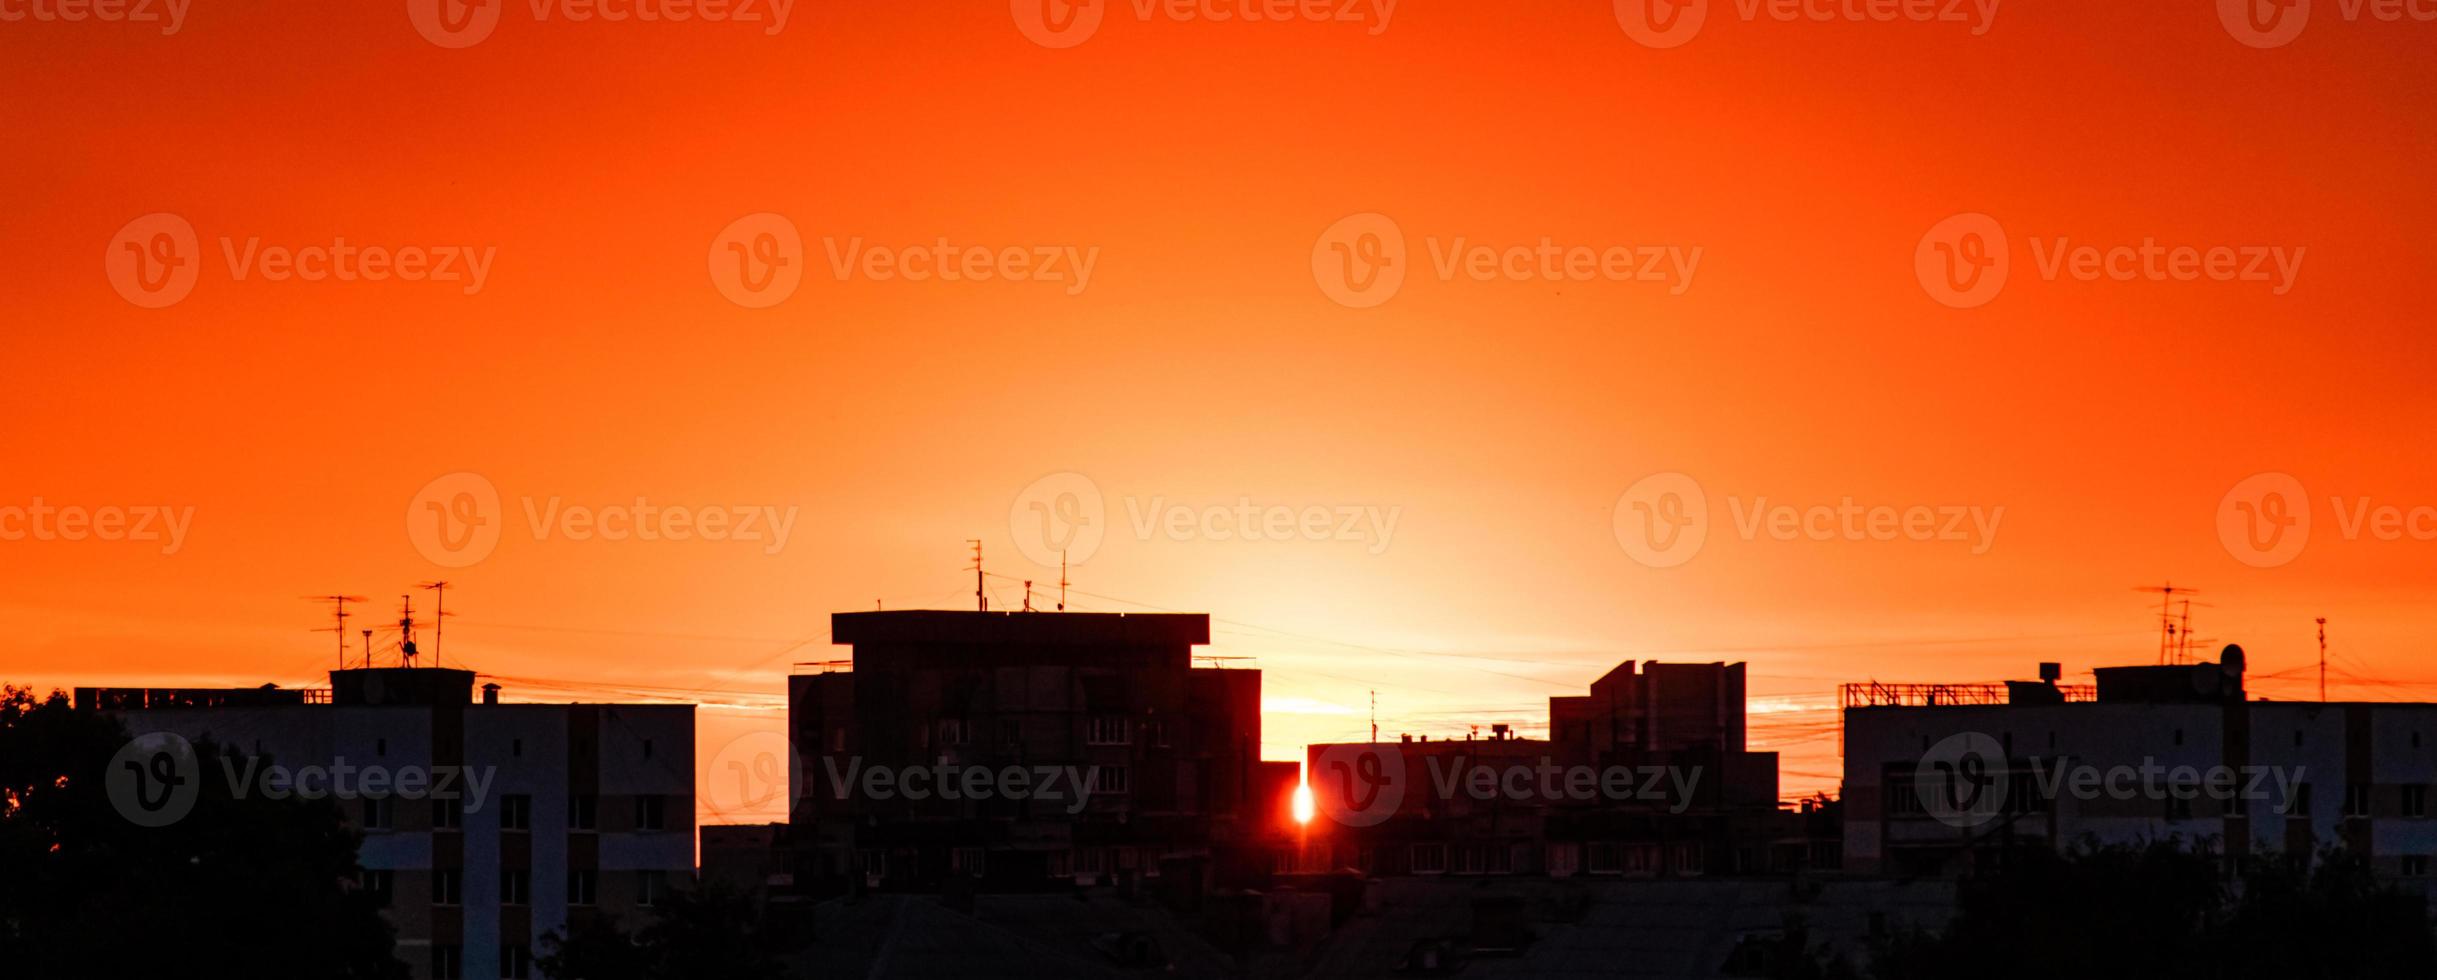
column 1199, row 162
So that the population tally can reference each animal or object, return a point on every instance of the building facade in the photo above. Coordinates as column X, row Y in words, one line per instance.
column 528, row 816
column 1647, row 775
column 1024, row 750
column 2148, row 754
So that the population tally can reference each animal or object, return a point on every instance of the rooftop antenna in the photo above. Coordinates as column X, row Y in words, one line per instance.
column 367, row 648
column 1375, row 717
column 2322, row 659
column 1061, row 580
column 2166, row 615
column 406, row 638
column 439, row 615
column 338, row 618
column 1027, row 595
column 980, row 597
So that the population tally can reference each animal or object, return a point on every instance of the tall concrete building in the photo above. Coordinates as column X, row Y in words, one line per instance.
column 1934, row 773
column 551, row 811
column 1025, row 750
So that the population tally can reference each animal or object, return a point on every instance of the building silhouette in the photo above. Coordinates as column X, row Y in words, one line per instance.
column 1135, row 763
column 583, row 809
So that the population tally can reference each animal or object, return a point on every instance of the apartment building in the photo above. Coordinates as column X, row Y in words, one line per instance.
column 524, row 818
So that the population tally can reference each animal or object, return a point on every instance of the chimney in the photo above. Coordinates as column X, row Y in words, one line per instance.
column 490, row 694
column 2051, row 672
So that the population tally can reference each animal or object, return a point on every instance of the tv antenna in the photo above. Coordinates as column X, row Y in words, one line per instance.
column 367, row 649
column 1375, row 717
column 338, row 618
column 2322, row 659
column 406, row 633
column 1061, row 580
column 980, row 597
column 439, row 592
column 2166, row 615
column 1027, row 595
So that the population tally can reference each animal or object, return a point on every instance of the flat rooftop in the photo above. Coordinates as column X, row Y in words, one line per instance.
column 937, row 627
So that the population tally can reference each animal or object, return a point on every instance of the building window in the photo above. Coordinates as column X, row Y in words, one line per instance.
column 376, row 812
column 837, row 739
column 1429, row 859
column 515, row 887
column 651, row 812
column 1607, row 858
column 1061, row 864
column 448, row 886
column 966, row 861
column 2297, row 801
column 381, row 884
column 952, row 731
column 2237, row 805
column 647, row 887
column 516, row 747
column 1157, row 730
column 1010, row 731
column 582, row 886
column 1090, row 861
column 516, row 812
column 448, row 813
column 1109, row 730
column 2415, row 801
column 2356, row 801
column 380, row 747
column 2415, row 865
column 1110, row 780
column 448, row 962
column 515, row 962
column 584, row 813
column 2178, row 736
column 647, row 748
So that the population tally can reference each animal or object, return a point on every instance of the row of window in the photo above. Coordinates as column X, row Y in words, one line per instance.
column 2024, row 795
column 515, row 886
column 1100, row 730
column 516, row 813
column 515, row 962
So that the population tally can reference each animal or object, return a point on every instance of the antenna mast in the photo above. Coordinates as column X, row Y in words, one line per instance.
column 406, row 635
column 439, row 616
column 979, row 597
column 2166, row 617
column 1061, row 580
column 338, row 621
column 2322, row 659
column 367, row 649
column 1375, row 717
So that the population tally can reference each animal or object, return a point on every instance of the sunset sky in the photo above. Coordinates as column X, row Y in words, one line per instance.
column 1482, row 431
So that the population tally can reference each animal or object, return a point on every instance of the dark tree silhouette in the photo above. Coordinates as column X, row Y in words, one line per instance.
column 2166, row 912
column 703, row 931
column 238, row 887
